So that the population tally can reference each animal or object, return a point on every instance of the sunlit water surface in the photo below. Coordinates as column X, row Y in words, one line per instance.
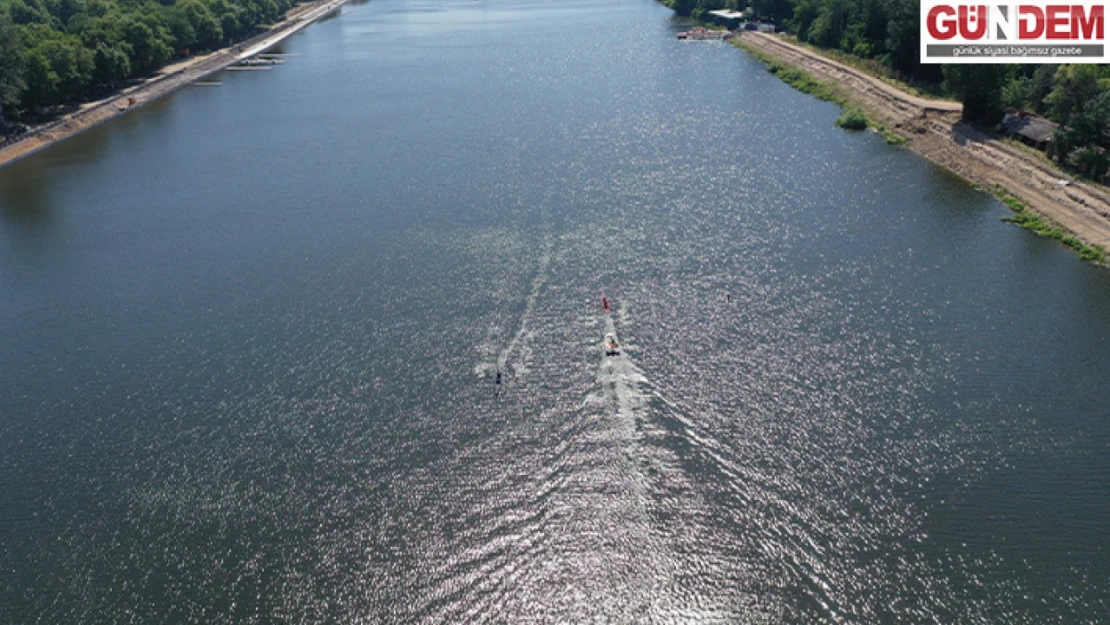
column 251, row 332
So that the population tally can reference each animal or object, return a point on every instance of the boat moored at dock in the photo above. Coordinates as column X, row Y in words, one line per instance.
column 700, row 32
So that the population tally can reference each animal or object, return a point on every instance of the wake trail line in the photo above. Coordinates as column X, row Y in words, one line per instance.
column 621, row 381
column 517, row 340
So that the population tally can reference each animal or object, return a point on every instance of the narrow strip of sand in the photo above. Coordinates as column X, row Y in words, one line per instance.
column 933, row 129
column 165, row 81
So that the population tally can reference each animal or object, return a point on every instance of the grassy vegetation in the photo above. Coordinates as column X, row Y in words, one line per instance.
column 891, row 137
column 852, row 119
column 1015, row 204
column 1029, row 221
column 802, row 81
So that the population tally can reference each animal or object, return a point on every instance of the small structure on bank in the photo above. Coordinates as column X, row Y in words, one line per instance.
column 1031, row 129
column 728, row 19
column 740, row 20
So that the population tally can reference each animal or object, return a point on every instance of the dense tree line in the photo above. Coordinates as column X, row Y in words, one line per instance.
column 61, row 51
column 888, row 32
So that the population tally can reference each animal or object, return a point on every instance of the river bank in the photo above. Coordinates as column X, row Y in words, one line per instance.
column 165, row 81
column 932, row 128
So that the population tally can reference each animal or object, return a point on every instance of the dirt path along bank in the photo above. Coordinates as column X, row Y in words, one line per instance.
column 933, row 129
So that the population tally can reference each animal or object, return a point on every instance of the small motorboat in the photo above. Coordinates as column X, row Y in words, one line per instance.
column 612, row 348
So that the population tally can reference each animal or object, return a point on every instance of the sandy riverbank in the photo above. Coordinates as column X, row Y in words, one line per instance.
column 933, row 129
column 168, row 79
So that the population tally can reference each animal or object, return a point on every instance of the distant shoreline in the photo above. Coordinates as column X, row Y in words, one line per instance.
column 932, row 128
column 165, row 81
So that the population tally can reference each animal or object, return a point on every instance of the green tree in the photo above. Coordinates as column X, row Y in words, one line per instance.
column 71, row 64
column 1073, row 85
column 1040, row 85
column 12, row 84
column 32, row 12
column 903, row 39
column 180, row 28
column 100, row 8
column 682, row 7
column 41, row 81
column 1083, row 143
column 979, row 87
column 829, row 26
column 78, row 23
column 112, row 64
column 148, row 52
column 63, row 10
column 805, row 12
column 205, row 25
column 100, row 30
column 1028, row 86
column 777, row 11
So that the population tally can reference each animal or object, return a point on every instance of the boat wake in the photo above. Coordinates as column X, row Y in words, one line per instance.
column 623, row 385
column 516, row 343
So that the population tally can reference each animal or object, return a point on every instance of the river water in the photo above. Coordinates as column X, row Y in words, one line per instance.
column 251, row 334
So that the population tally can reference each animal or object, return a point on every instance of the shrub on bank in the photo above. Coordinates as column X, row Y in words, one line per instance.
column 852, row 119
